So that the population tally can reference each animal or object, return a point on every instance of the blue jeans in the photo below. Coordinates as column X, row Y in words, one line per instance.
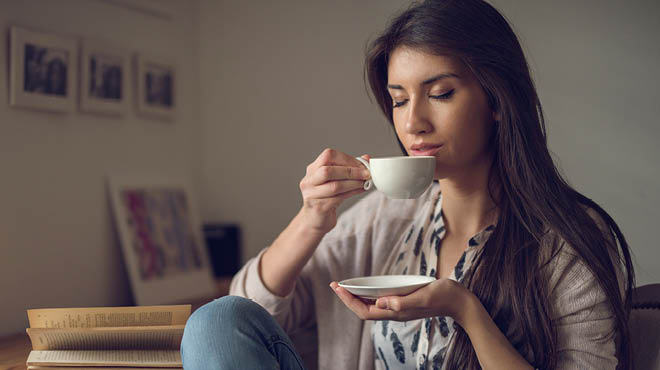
column 236, row 333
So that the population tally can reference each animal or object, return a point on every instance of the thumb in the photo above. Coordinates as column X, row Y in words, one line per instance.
column 390, row 303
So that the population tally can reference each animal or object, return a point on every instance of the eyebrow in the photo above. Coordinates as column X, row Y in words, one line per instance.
column 428, row 81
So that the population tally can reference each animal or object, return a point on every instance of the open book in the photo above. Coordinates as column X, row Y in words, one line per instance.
column 119, row 337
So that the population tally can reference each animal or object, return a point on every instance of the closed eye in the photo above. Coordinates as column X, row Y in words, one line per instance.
column 399, row 103
column 444, row 96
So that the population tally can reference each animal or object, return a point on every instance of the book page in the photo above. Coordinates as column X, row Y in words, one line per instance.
column 106, row 358
column 96, row 317
column 137, row 338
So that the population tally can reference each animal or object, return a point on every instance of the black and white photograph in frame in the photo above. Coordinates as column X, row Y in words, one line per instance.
column 156, row 87
column 42, row 70
column 104, row 80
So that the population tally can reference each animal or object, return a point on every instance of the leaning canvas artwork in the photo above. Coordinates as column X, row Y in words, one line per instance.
column 161, row 234
column 161, row 240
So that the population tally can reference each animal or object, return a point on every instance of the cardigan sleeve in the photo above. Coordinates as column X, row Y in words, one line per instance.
column 582, row 317
column 344, row 252
column 292, row 311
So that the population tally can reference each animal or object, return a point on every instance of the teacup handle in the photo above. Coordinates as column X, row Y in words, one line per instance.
column 367, row 183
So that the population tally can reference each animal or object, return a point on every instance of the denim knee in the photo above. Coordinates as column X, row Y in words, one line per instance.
column 217, row 318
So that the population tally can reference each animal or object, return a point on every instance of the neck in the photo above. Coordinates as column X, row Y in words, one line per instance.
column 467, row 205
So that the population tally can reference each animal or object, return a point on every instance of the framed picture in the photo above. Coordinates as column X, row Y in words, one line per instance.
column 156, row 87
column 161, row 239
column 104, row 78
column 43, row 71
column 165, row 10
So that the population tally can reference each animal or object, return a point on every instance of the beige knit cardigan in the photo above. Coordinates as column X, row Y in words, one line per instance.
column 361, row 245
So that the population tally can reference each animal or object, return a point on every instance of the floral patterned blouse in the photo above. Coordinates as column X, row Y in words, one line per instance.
column 422, row 344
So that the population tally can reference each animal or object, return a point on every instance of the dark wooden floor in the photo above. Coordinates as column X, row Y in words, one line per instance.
column 15, row 348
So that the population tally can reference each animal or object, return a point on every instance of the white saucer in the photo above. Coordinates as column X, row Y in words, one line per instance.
column 372, row 287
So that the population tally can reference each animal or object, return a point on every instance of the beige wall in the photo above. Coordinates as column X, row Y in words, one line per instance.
column 596, row 69
column 57, row 246
column 281, row 81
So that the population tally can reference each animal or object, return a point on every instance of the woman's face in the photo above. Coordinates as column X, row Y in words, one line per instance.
column 439, row 109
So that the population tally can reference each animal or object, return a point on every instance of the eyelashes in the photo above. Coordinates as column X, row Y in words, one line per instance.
column 399, row 103
column 445, row 96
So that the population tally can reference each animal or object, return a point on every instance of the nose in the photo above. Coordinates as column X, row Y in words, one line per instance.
column 417, row 121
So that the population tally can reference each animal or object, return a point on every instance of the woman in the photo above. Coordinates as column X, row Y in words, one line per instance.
column 530, row 273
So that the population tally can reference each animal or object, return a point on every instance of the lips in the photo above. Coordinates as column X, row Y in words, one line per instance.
column 425, row 149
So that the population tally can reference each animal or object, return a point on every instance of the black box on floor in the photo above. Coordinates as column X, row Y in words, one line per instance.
column 224, row 245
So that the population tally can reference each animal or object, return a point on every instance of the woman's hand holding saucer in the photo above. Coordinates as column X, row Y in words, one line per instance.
column 333, row 177
column 443, row 297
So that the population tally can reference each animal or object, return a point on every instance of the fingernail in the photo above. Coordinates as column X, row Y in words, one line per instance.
column 381, row 303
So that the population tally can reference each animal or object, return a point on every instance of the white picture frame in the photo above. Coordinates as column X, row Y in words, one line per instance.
column 43, row 71
column 156, row 87
column 104, row 78
column 165, row 10
column 161, row 239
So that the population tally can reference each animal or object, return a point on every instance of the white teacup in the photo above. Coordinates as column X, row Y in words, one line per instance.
column 400, row 177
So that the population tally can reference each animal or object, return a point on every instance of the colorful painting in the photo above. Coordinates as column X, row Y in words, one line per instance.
column 162, row 236
column 160, row 231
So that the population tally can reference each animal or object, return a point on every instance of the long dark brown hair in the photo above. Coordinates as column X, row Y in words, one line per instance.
column 532, row 196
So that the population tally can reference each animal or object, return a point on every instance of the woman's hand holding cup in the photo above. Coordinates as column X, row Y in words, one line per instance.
column 333, row 177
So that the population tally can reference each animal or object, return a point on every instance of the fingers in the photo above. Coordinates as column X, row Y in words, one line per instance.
column 400, row 303
column 332, row 178
column 325, row 174
column 332, row 157
column 363, row 310
column 352, row 302
column 333, row 173
column 333, row 188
